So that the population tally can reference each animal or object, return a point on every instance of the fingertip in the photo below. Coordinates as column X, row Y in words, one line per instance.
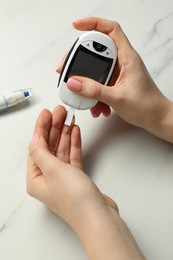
column 95, row 112
column 60, row 65
column 45, row 111
column 45, row 115
column 76, row 131
column 58, row 68
column 76, row 136
column 58, row 116
column 43, row 123
column 59, row 109
column 106, row 111
column 76, row 128
column 76, row 22
column 101, row 108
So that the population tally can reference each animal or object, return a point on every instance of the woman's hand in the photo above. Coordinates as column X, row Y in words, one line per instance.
column 55, row 173
column 132, row 92
column 55, row 177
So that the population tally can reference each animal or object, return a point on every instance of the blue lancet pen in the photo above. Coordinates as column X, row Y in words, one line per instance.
column 14, row 98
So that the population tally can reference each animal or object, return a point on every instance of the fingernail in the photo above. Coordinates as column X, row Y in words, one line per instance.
column 35, row 138
column 74, row 85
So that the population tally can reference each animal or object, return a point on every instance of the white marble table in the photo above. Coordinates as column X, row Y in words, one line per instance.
column 132, row 166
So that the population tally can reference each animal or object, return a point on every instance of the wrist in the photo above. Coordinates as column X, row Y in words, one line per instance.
column 160, row 118
column 166, row 123
column 106, row 236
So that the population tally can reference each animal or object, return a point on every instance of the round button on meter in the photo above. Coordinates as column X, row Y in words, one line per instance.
column 99, row 47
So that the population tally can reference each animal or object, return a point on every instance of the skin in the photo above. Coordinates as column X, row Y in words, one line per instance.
column 55, row 177
column 131, row 93
column 55, row 174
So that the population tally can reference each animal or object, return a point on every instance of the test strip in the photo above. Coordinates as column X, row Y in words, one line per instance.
column 69, row 117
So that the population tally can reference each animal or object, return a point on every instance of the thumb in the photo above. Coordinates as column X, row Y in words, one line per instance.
column 91, row 89
column 40, row 154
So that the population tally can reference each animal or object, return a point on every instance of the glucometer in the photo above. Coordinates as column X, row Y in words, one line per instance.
column 93, row 55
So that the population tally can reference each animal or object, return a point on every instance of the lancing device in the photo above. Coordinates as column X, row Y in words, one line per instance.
column 93, row 55
column 14, row 98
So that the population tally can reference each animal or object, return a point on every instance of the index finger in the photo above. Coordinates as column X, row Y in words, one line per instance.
column 111, row 28
column 43, row 124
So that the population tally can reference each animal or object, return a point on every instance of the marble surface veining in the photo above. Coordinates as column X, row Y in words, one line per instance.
column 130, row 165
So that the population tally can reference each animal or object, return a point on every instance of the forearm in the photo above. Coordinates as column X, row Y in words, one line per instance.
column 106, row 236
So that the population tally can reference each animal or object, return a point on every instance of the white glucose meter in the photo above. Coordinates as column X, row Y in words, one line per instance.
column 93, row 55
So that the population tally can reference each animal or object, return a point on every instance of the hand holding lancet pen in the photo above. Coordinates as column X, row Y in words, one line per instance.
column 14, row 98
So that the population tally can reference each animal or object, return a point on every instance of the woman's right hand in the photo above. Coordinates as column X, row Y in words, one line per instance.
column 132, row 92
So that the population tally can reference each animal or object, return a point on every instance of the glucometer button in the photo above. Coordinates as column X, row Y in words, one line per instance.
column 99, row 47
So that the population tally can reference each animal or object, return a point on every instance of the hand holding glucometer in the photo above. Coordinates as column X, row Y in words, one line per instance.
column 93, row 55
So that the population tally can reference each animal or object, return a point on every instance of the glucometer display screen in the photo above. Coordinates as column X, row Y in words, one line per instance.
column 89, row 64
